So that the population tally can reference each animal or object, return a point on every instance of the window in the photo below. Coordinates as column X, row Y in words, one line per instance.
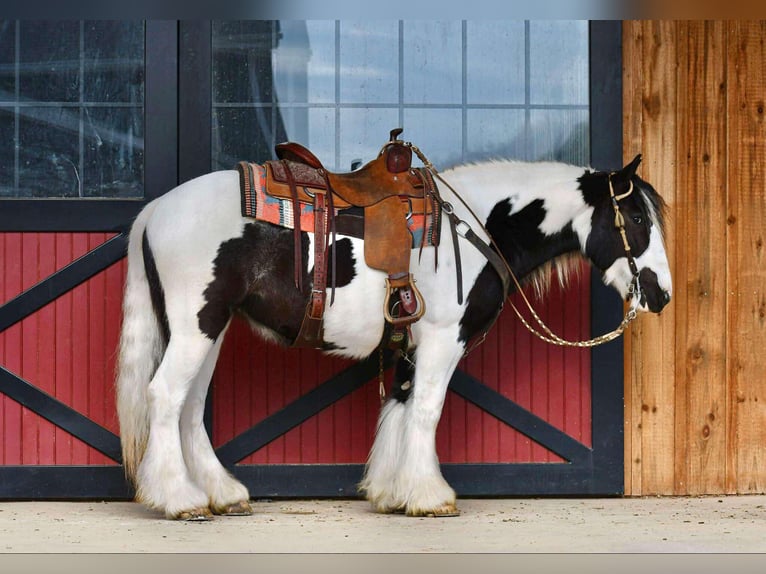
column 71, row 109
column 88, row 121
column 462, row 91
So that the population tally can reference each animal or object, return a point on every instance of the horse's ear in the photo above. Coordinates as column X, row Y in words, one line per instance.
column 630, row 170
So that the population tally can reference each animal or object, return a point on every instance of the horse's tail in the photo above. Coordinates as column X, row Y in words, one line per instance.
column 141, row 347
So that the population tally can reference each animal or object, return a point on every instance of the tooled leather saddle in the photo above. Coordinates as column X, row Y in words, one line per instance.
column 388, row 190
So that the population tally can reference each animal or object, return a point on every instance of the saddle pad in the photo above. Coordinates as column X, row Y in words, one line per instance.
column 257, row 204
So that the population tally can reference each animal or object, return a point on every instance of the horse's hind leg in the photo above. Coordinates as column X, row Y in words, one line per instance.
column 226, row 494
column 163, row 481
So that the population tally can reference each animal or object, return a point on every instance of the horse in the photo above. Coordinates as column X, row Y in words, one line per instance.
column 194, row 262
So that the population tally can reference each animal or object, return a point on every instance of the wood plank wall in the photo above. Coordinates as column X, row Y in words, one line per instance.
column 695, row 383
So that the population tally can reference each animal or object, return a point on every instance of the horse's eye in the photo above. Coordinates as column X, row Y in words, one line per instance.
column 638, row 220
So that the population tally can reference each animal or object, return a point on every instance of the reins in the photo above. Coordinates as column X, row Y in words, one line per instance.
column 496, row 258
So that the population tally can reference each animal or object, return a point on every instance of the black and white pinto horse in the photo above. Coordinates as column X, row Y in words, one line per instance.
column 194, row 261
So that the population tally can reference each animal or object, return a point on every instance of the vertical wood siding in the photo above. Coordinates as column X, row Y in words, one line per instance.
column 696, row 376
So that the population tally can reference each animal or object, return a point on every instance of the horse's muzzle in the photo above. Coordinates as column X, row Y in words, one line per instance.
column 653, row 295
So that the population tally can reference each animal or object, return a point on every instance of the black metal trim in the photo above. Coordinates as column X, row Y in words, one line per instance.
column 160, row 154
column 48, row 215
column 61, row 415
column 62, row 281
column 161, row 108
column 341, row 480
column 606, row 306
column 43, row 482
column 195, row 102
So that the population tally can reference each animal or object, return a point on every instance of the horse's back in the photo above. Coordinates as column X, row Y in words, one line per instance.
column 201, row 213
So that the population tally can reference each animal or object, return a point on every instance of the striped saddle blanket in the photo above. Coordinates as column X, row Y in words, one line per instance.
column 256, row 203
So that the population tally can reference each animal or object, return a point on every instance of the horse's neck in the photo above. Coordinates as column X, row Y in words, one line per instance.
column 534, row 211
column 526, row 258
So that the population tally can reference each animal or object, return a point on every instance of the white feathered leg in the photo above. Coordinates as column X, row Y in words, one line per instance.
column 163, row 481
column 226, row 494
column 419, row 483
column 403, row 470
column 384, row 460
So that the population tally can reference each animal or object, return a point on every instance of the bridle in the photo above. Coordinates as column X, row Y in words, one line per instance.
column 634, row 290
column 495, row 257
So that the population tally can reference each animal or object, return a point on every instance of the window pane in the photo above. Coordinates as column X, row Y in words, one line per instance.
column 49, row 155
column 362, row 133
column 71, row 103
column 560, row 135
column 313, row 127
column 463, row 91
column 433, row 62
column 304, row 62
column 242, row 61
column 114, row 71
column 369, row 62
column 241, row 134
column 495, row 57
column 496, row 134
column 114, row 152
column 558, row 62
column 437, row 132
column 50, row 61
column 7, row 127
column 7, row 59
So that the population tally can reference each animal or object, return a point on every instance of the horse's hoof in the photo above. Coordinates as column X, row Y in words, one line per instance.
column 445, row 511
column 390, row 509
column 241, row 508
column 196, row 515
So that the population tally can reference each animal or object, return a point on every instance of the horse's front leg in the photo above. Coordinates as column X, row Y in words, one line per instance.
column 403, row 470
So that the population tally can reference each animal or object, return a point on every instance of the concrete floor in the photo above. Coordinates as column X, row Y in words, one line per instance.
column 731, row 524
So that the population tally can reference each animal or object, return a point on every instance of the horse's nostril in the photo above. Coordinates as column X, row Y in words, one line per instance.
column 665, row 297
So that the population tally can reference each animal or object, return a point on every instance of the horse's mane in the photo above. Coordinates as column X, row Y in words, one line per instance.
column 653, row 206
column 564, row 267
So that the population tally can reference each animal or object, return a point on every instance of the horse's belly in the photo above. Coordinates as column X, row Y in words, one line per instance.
column 354, row 322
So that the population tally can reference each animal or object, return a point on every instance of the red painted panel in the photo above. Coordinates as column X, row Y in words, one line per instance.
column 552, row 382
column 68, row 349
column 11, row 343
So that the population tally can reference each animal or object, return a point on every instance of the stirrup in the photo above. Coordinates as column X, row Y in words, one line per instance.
column 406, row 319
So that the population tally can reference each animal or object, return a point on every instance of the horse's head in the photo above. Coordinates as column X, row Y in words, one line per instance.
column 641, row 215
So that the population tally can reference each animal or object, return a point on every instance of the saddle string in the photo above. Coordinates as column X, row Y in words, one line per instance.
column 549, row 336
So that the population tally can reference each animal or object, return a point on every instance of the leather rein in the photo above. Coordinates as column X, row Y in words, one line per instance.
column 503, row 269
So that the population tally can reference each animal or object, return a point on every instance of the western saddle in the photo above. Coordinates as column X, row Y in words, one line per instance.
column 389, row 190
